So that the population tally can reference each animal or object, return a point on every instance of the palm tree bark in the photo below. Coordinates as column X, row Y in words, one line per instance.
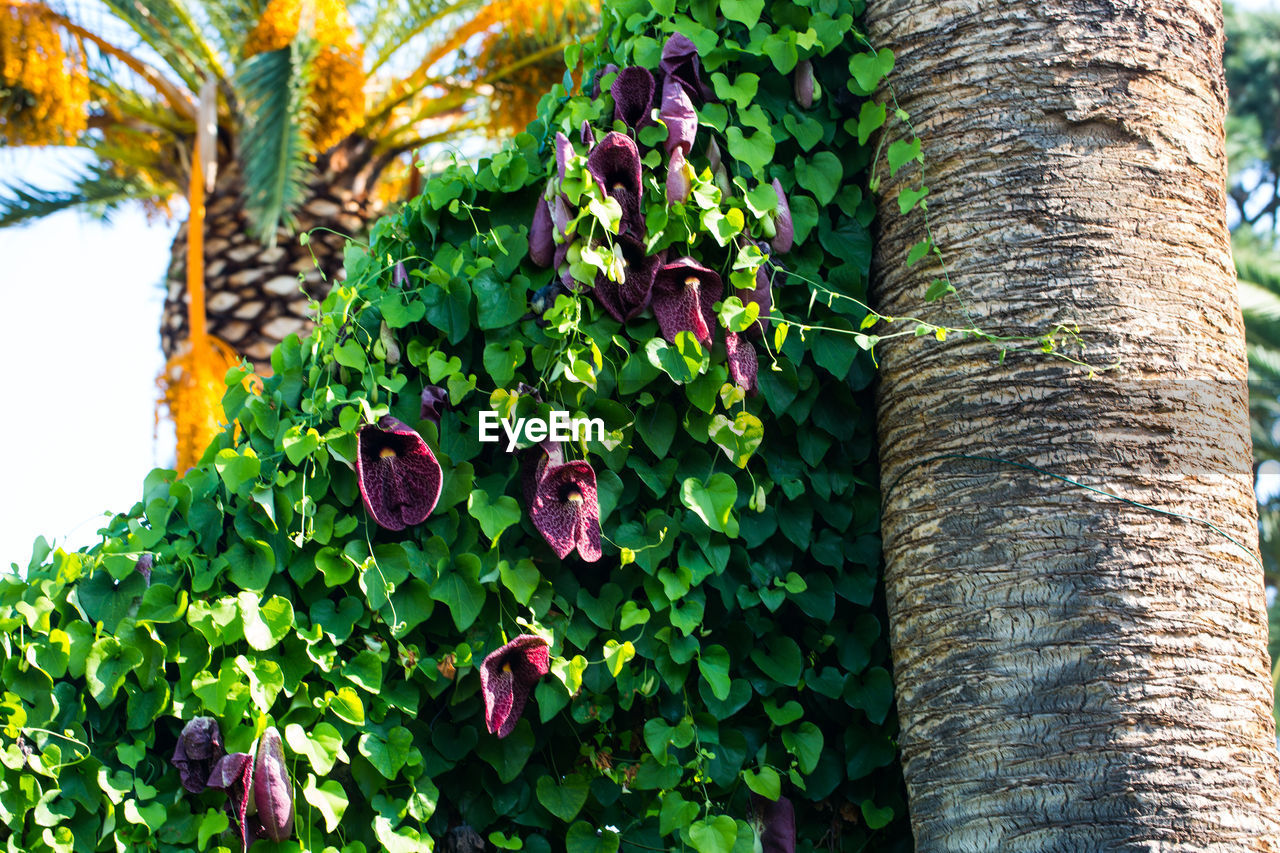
column 1074, row 672
column 256, row 295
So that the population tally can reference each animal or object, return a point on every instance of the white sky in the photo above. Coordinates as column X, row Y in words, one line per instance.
column 80, row 351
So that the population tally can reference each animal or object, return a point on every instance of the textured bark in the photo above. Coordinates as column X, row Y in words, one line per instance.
column 1073, row 672
column 253, row 295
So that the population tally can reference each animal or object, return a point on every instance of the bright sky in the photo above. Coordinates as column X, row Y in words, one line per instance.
column 79, row 339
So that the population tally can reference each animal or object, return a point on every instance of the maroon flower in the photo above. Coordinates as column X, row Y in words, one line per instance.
column 683, row 293
column 744, row 364
column 565, row 509
column 542, row 244
column 678, row 183
column 234, row 774
column 678, row 115
column 785, row 237
column 803, row 84
column 534, row 463
column 199, row 749
column 434, row 401
column 508, row 676
column 587, row 134
column 399, row 476
column 604, row 72
column 625, row 299
column 615, row 164
column 680, row 60
column 776, row 823
column 633, row 91
column 272, row 790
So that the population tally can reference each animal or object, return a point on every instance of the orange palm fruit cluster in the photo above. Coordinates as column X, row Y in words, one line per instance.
column 43, row 87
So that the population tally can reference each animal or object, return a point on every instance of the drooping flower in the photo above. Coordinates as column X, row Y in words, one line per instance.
column 775, row 820
column 399, row 275
column 272, row 789
column 680, row 60
column 399, row 476
column 785, row 237
column 679, row 182
column 534, row 463
column 566, row 511
column 678, row 115
column 683, row 293
column 542, row 244
column 507, row 677
column 633, row 91
column 587, row 134
column 199, row 749
column 804, row 85
column 434, row 401
column 744, row 364
column 234, row 774
column 615, row 165
column 627, row 298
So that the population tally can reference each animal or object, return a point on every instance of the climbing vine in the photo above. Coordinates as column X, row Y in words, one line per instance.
column 356, row 625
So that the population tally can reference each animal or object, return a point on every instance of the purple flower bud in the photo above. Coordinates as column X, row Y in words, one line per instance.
column 604, row 72
column 784, row 239
column 144, row 565
column 542, row 244
column 587, row 134
column 633, row 92
column 564, row 150
column 234, row 774
column 678, row 115
column 399, row 476
column 679, row 183
column 744, row 364
column 683, row 293
column 199, row 749
column 507, row 677
column 272, row 789
column 434, row 401
column 803, row 84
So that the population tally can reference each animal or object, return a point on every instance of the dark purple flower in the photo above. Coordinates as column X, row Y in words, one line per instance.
column 561, row 266
column 683, row 293
column 679, row 184
column 744, row 364
column 399, row 476
column 599, row 78
column 785, row 237
column 234, row 774
column 144, row 566
column 434, row 401
column 560, row 218
column 542, row 244
column 633, row 91
column 680, row 60
column 272, row 789
column 565, row 509
column 627, row 298
column 399, row 276
column 507, row 677
column 587, row 134
column 776, row 822
column 199, row 749
column 679, row 117
column 615, row 164
column 534, row 463
column 803, row 84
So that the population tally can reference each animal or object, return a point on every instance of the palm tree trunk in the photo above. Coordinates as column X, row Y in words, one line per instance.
column 256, row 295
column 1074, row 672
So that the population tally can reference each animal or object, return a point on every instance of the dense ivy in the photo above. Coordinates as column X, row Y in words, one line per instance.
column 730, row 640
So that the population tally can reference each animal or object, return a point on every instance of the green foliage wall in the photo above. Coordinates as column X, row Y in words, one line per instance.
column 730, row 640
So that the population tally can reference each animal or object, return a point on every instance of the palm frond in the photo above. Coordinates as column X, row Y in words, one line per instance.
column 274, row 148
column 97, row 191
